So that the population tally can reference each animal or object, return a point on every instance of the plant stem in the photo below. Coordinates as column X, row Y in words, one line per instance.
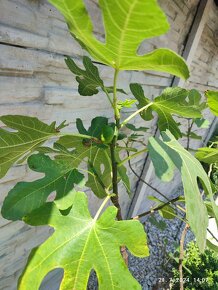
column 116, row 111
column 181, row 256
column 113, row 145
column 135, row 114
column 114, row 199
column 188, row 133
column 157, row 208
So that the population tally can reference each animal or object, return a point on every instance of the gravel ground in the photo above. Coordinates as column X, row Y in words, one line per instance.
column 157, row 267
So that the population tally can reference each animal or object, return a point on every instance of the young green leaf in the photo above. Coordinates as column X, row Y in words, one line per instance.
column 212, row 100
column 126, row 26
column 60, row 176
column 133, row 128
column 80, row 244
column 169, row 154
column 62, row 125
column 134, row 137
column 97, row 124
column 192, row 135
column 195, row 100
column 80, row 127
column 125, row 104
column 207, row 155
column 138, row 93
column 96, row 128
column 30, row 133
column 166, row 211
column 202, row 123
column 172, row 101
column 88, row 79
column 110, row 90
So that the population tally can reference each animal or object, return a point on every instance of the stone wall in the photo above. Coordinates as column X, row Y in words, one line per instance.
column 204, row 74
column 35, row 81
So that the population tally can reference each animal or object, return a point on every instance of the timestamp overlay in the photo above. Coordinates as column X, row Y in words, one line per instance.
column 198, row 280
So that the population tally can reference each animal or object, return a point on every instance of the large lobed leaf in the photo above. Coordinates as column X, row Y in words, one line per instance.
column 60, row 176
column 172, row 101
column 80, row 244
column 168, row 154
column 30, row 132
column 127, row 23
column 70, row 151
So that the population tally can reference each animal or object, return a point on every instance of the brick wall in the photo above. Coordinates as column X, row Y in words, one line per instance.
column 35, row 81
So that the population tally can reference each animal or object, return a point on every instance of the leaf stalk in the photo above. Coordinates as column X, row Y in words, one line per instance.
column 102, row 206
column 135, row 114
column 132, row 156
